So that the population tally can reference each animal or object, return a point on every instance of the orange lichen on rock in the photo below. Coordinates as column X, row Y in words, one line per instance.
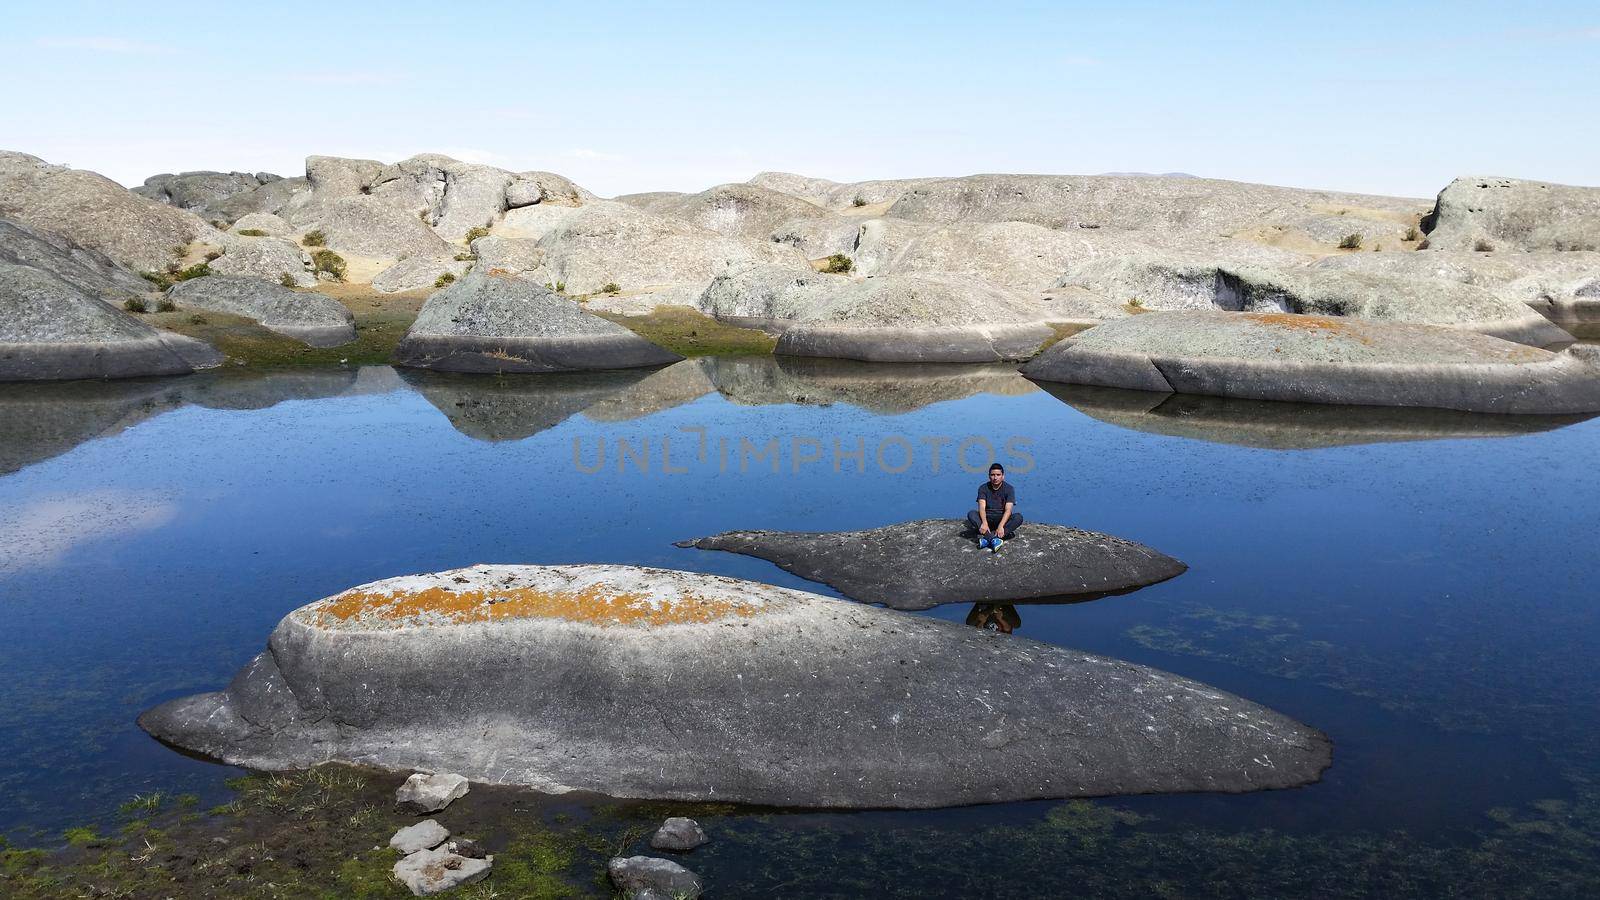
column 1324, row 325
column 591, row 606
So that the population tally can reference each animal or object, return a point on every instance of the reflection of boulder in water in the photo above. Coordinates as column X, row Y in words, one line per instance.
column 677, row 384
column 40, row 421
column 885, row 388
column 1276, row 425
column 491, row 408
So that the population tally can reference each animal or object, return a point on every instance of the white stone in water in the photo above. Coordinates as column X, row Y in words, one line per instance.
column 423, row 793
column 435, row 871
column 424, row 835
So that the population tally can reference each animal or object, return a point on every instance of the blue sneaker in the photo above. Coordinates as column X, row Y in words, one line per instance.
column 994, row 545
column 983, row 542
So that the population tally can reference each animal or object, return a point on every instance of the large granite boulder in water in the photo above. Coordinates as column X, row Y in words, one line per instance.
column 1318, row 359
column 1484, row 213
column 490, row 322
column 650, row 683
column 52, row 330
column 316, row 319
column 891, row 318
column 920, row 565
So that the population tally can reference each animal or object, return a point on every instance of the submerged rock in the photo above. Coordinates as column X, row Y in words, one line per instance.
column 884, row 388
column 650, row 683
column 510, row 409
column 1317, row 359
column 652, row 878
column 922, row 564
column 316, row 319
column 489, row 322
column 52, row 330
column 678, row 833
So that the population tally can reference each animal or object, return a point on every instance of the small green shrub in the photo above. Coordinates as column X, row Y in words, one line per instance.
column 287, row 280
column 611, row 287
column 838, row 264
column 559, row 287
column 443, row 280
column 314, row 239
column 198, row 270
column 1350, row 242
column 329, row 263
column 475, row 233
column 252, row 232
column 859, row 201
column 465, row 257
column 165, row 305
column 135, row 305
column 213, row 255
column 1483, row 246
column 1134, row 305
column 161, row 280
column 1412, row 234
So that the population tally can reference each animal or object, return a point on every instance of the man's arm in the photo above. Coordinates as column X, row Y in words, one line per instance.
column 983, row 516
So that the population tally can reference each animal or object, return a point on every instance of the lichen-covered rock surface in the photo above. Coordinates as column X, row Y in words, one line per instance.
column 492, row 322
column 922, row 564
column 1320, row 359
column 1495, row 214
column 650, row 683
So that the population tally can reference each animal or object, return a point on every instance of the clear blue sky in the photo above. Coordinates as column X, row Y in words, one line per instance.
column 1379, row 97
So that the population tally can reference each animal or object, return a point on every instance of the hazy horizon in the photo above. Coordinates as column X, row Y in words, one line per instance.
column 1359, row 97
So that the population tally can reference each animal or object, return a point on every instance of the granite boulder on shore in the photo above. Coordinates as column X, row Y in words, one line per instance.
column 650, row 683
column 493, row 322
column 1320, row 359
column 316, row 319
column 50, row 329
column 923, row 564
column 890, row 318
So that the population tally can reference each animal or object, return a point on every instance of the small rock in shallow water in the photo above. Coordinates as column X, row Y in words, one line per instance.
column 430, row 793
column 435, row 871
column 649, row 877
column 424, row 835
column 468, row 848
column 678, row 833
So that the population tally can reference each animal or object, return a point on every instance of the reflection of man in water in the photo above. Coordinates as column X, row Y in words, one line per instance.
column 995, row 519
column 1001, row 617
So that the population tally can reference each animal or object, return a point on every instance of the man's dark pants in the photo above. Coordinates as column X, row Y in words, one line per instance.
column 994, row 521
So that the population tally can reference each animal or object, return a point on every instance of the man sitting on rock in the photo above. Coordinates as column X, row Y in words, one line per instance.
column 995, row 518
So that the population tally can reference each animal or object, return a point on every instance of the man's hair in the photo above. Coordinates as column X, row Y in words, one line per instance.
column 997, row 467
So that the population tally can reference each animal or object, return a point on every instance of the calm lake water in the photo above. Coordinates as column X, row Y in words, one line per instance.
column 1421, row 586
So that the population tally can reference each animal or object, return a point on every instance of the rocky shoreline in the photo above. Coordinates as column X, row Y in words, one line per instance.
column 971, row 269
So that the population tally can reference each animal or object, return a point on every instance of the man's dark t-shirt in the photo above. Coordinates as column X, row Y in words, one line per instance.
column 995, row 500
